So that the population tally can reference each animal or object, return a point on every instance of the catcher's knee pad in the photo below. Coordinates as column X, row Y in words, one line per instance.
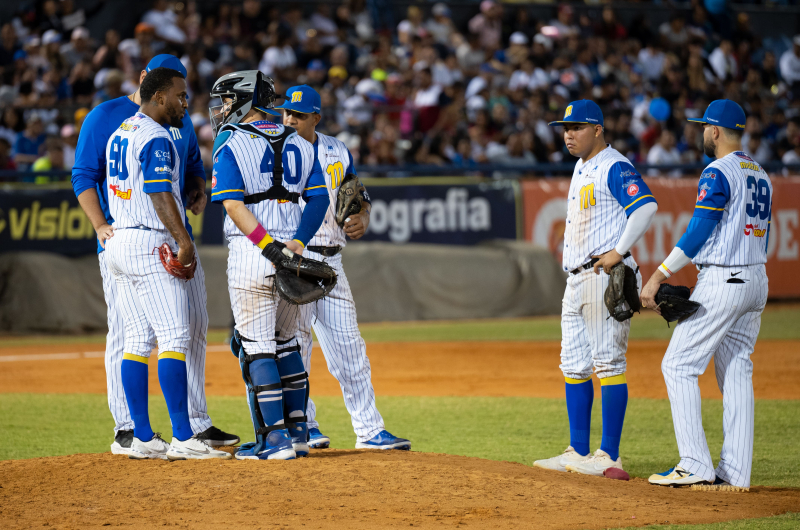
column 264, row 389
column 294, row 381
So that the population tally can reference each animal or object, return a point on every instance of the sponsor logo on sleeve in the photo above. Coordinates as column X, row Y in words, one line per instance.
column 163, row 169
column 214, row 179
column 164, row 156
column 703, row 192
column 631, row 187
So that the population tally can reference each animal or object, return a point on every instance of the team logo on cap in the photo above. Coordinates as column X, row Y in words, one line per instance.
column 297, row 96
column 568, row 112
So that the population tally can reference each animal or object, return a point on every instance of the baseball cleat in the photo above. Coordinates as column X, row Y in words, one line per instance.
column 194, row 449
column 560, row 462
column 676, row 476
column 385, row 440
column 317, row 440
column 299, row 435
column 276, row 446
column 217, row 437
column 156, row 447
column 595, row 464
column 122, row 443
column 718, row 485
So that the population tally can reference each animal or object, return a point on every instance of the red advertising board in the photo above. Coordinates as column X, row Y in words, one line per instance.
column 545, row 210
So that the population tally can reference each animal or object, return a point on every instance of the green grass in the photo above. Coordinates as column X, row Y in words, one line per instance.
column 512, row 429
column 788, row 521
column 778, row 322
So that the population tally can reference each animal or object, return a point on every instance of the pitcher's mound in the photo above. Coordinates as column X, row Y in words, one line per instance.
column 336, row 489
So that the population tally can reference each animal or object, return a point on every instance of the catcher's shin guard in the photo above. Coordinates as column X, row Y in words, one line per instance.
column 294, row 380
column 264, row 393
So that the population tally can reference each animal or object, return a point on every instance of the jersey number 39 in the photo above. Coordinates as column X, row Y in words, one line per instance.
column 758, row 203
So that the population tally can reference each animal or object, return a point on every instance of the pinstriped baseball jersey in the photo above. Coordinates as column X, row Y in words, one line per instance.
column 243, row 166
column 738, row 192
column 141, row 159
column 604, row 191
column 336, row 162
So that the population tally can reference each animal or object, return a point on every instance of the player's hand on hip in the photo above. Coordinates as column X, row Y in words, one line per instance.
column 185, row 255
column 607, row 260
column 648, row 296
column 356, row 225
column 104, row 233
column 196, row 201
column 294, row 246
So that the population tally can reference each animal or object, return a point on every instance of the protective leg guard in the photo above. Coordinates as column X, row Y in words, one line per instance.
column 294, row 381
column 265, row 399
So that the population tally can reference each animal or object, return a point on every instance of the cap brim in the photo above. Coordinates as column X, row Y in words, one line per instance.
column 265, row 110
column 697, row 121
column 557, row 123
column 284, row 106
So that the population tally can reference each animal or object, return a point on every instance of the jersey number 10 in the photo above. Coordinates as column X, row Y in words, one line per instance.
column 758, row 204
column 116, row 160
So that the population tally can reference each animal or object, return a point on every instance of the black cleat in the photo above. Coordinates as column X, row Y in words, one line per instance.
column 217, row 438
column 122, row 443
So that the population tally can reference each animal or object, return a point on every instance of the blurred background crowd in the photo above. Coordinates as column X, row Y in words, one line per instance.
column 415, row 86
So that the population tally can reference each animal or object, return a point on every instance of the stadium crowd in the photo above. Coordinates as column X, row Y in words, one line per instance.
column 423, row 90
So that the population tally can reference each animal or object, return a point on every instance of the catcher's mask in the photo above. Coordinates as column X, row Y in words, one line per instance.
column 239, row 92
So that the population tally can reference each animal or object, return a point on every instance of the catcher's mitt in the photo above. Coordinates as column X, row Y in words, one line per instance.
column 175, row 267
column 673, row 300
column 348, row 198
column 299, row 280
column 622, row 294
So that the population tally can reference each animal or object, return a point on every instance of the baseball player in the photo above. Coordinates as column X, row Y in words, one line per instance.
column 334, row 317
column 89, row 184
column 727, row 241
column 144, row 173
column 261, row 169
column 609, row 208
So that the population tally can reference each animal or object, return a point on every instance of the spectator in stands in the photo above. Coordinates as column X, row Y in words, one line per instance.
column 758, row 148
column 11, row 124
column 6, row 160
column 77, row 49
column 664, row 152
column 488, row 25
column 440, row 26
column 28, row 142
column 69, row 141
column 564, row 22
column 112, row 88
column 53, row 160
column 279, row 59
column 674, row 34
column 165, row 22
column 723, row 62
column 790, row 67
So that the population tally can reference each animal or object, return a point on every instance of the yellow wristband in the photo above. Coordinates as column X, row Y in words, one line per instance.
column 301, row 243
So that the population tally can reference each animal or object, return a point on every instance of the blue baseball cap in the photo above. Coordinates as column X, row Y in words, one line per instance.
column 582, row 111
column 166, row 60
column 724, row 113
column 303, row 99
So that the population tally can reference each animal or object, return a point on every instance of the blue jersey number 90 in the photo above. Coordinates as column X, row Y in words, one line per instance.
column 758, row 204
column 116, row 162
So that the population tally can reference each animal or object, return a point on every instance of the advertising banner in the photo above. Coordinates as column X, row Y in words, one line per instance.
column 435, row 211
column 545, row 211
column 45, row 219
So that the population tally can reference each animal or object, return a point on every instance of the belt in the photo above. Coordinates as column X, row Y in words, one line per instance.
column 591, row 263
column 134, row 228
column 325, row 251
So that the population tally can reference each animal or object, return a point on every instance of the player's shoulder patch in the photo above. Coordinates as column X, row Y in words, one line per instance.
column 220, row 141
column 269, row 128
column 703, row 191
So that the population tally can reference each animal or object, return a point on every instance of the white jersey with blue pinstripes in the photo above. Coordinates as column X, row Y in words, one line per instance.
column 255, row 159
column 141, row 159
column 596, row 217
column 740, row 238
column 336, row 162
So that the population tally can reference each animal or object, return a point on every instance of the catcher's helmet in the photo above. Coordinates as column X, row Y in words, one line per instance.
column 239, row 92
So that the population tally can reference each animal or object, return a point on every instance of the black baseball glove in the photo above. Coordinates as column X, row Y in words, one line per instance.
column 348, row 198
column 674, row 303
column 299, row 280
column 622, row 294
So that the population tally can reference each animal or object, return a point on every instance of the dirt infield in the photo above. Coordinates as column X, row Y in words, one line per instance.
column 336, row 489
column 412, row 369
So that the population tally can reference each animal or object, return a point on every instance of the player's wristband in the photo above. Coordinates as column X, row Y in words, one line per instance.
column 301, row 243
column 259, row 237
column 663, row 268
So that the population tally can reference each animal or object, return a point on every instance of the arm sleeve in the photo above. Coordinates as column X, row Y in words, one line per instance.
column 638, row 223
column 227, row 181
column 313, row 215
column 90, row 154
column 315, row 185
column 713, row 193
column 194, row 164
column 697, row 233
column 158, row 160
column 674, row 262
column 628, row 187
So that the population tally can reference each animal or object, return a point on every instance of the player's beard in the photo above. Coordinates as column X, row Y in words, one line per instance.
column 709, row 149
column 176, row 120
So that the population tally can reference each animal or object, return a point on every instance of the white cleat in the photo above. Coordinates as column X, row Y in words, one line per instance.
column 155, row 448
column 676, row 477
column 595, row 464
column 560, row 462
column 194, row 449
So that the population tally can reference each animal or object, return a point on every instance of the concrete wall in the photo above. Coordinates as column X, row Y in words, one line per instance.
column 49, row 293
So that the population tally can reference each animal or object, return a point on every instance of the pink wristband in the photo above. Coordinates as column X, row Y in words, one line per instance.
column 257, row 235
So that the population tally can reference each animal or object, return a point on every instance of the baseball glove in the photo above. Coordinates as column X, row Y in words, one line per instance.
column 175, row 267
column 348, row 198
column 673, row 300
column 622, row 294
column 299, row 280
